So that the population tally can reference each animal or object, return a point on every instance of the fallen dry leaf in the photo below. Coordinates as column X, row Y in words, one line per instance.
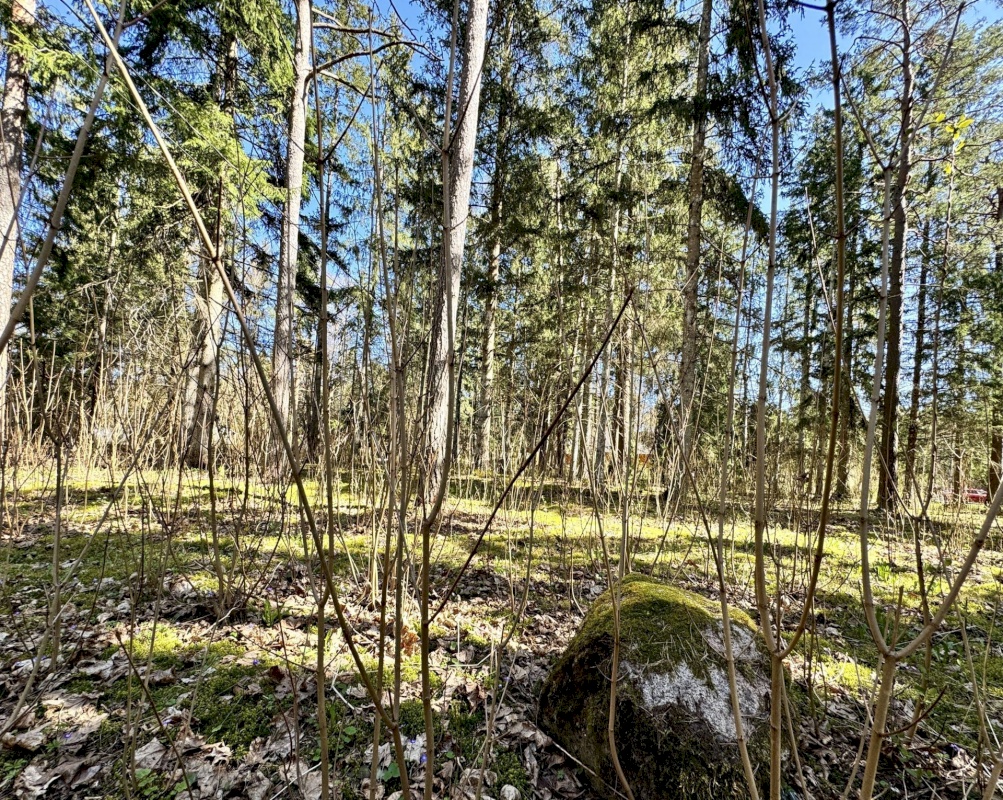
column 150, row 755
column 30, row 740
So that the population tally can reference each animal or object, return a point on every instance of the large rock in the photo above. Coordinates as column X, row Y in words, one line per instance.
column 675, row 733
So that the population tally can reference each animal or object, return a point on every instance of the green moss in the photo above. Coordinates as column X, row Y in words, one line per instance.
column 437, row 631
column 511, row 771
column 476, row 639
column 465, row 730
column 129, row 688
column 412, row 718
column 410, row 667
column 81, row 685
column 108, row 735
column 654, row 616
column 161, row 643
column 220, row 649
column 224, row 711
column 564, row 541
column 222, row 708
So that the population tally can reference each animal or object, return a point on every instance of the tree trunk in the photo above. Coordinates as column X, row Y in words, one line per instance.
column 285, row 291
column 888, row 471
column 804, row 389
column 314, row 429
column 690, row 340
column 912, row 436
column 602, row 433
column 626, row 383
column 573, row 422
column 13, row 112
column 200, row 416
column 604, row 430
column 458, row 401
column 846, row 414
column 995, row 458
column 568, row 351
column 584, row 469
column 590, row 390
column 482, row 418
column 957, row 458
column 458, row 170
column 996, row 435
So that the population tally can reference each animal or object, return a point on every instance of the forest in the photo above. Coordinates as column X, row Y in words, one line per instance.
column 500, row 399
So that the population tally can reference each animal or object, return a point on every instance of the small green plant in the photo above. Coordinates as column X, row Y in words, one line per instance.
column 10, row 768
column 147, row 782
column 270, row 614
column 150, row 785
column 391, row 772
column 348, row 733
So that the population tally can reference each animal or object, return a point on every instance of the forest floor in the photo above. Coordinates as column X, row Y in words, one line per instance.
column 154, row 694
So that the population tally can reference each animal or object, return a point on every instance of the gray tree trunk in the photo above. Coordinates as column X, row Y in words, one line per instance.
column 13, row 112
column 848, row 409
column 482, row 417
column 690, row 339
column 912, row 435
column 888, row 469
column 200, row 414
column 282, row 352
column 996, row 436
column 602, row 429
column 458, row 170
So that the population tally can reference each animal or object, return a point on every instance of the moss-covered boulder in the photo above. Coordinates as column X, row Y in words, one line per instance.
column 675, row 732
